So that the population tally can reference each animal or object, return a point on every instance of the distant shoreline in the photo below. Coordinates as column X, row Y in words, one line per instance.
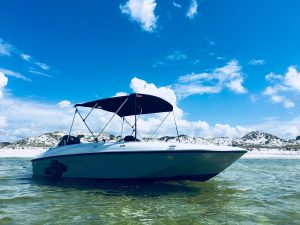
column 254, row 154
column 272, row 153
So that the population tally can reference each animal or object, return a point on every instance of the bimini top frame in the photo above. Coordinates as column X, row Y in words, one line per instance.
column 133, row 104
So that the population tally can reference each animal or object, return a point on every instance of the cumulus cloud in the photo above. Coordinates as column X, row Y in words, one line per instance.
column 292, row 79
column 140, row 86
column 236, row 85
column 286, row 128
column 193, row 9
column 288, row 104
column 21, row 118
column 282, row 87
column 282, row 99
column 141, row 11
column 64, row 104
column 25, row 118
column 229, row 76
column 3, row 83
column 199, row 128
column 193, row 128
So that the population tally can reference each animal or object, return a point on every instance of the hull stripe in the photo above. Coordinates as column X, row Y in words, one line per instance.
column 143, row 152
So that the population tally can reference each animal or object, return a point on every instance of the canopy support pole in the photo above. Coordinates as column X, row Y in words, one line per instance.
column 132, row 127
column 86, row 125
column 122, row 127
column 160, row 124
column 90, row 111
column 176, row 126
column 135, row 128
column 112, row 117
column 72, row 125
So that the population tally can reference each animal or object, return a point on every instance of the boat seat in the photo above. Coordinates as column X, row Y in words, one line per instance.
column 130, row 139
column 69, row 141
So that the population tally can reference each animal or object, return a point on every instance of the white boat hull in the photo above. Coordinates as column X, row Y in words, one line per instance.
column 143, row 165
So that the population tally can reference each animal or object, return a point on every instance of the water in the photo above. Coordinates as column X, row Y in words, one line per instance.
column 268, row 193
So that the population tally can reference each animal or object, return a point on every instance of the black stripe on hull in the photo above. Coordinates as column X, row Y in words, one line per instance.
column 143, row 152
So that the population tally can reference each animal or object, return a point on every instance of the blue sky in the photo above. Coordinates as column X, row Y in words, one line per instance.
column 229, row 63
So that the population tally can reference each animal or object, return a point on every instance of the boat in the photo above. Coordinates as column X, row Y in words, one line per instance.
column 131, row 159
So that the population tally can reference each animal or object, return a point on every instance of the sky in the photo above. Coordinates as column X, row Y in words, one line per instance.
column 228, row 67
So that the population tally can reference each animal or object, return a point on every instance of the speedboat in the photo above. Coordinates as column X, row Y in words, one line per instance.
column 130, row 158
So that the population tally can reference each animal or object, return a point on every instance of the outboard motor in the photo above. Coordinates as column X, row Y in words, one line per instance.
column 66, row 140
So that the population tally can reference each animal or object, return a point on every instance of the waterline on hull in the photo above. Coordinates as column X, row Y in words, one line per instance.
column 162, row 165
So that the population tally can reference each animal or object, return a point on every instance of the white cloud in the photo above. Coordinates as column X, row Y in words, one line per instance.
column 141, row 86
column 288, row 104
column 64, row 104
column 270, row 91
column 21, row 118
column 257, row 62
column 192, row 10
column 3, row 122
column 292, row 79
column 39, row 73
column 25, row 57
column 229, row 76
column 273, row 77
column 283, row 86
column 193, row 89
column 11, row 73
column 275, row 98
column 120, row 94
column 177, row 56
column 288, row 128
column 141, row 11
column 28, row 62
column 43, row 66
column 5, row 48
column 236, row 85
column 193, row 128
column 173, row 58
column 3, row 83
column 26, row 118
column 177, row 5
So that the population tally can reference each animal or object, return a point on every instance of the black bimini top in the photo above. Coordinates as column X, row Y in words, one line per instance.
column 133, row 104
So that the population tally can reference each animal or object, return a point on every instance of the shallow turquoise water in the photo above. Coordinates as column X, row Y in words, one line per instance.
column 266, row 193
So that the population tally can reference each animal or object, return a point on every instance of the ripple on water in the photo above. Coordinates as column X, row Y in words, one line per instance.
column 237, row 196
